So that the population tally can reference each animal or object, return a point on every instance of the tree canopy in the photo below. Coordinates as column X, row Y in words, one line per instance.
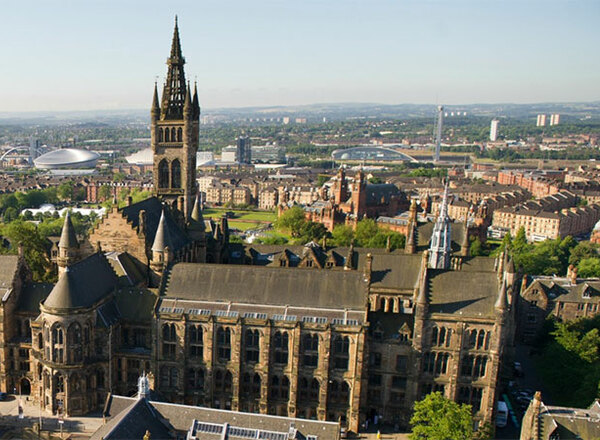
column 438, row 418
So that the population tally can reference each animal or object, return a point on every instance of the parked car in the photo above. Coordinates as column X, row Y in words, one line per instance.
column 3, row 396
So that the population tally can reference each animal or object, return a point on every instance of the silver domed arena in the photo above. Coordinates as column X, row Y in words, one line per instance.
column 67, row 158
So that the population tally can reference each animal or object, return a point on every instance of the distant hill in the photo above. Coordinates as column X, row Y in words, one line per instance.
column 314, row 112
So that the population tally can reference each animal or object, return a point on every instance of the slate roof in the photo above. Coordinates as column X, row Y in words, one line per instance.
column 31, row 296
column 570, row 423
column 378, row 191
column 129, row 418
column 266, row 285
column 457, row 232
column 132, row 423
column 135, row 304
column 83, row 284
column 153, row 208
column 8, row 269
column 471, row 291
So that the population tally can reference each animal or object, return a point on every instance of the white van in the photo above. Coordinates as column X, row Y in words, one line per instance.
column 501, row 414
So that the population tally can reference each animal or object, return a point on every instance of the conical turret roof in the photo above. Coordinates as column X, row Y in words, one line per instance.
column 196, row 216
column 162, row 239
column 68, row 238
column 82, row 284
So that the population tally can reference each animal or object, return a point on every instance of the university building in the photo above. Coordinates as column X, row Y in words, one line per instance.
column 308, row 331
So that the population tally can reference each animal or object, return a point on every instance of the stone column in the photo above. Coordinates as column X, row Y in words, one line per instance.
column 323, row 369
column 209, row 355
column 294, row 360
column 236, row 360
column 265, row 343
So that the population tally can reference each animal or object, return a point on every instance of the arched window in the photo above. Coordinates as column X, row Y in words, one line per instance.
column 167, row 134
column 434, row 336
column 196, row 342
column 310, row 350
column 472, row 338
column 100, row 379
column 179, row 134
column 341, row 350
column 281, row 350
column 173, row 134
column 224, row 343
column 176, row 174
column 160, row 135
column 74, row 343
column 442, row 337
column 40, row 341
column 169, row 336
column 163, row 174
column 252, row 342
column 480, row 339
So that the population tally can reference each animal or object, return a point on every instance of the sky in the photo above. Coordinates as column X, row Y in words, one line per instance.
column 59, row 55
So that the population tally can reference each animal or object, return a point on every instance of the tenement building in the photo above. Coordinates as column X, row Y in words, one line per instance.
column 309, row 332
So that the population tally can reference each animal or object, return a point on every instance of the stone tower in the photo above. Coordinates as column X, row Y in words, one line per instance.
column 175, row 123
column 440, row 246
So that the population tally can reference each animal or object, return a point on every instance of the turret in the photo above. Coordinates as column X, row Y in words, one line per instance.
column 368, row 269
column 349, row 257
column 155, row 110
column 196, row 226
column 501, row 305
column 195, row 102
column 68, row 246
column 161, row 246
column 187, row 104
column 465, row 244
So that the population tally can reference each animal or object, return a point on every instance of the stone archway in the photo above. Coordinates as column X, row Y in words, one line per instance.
column 25, row 386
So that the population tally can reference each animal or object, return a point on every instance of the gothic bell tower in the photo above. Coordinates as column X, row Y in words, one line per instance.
column 175, row 123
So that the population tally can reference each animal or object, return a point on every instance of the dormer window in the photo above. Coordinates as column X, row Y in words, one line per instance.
column 586, row 294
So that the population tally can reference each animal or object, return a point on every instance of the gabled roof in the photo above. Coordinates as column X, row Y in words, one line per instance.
column 266, row 285
column 83, row 284
column 8, row 269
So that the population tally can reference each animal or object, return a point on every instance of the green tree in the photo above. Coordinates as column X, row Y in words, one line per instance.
column 584, row 249
column 105, row 192
column 66, row 190
column 311, row 231
column 26, row 234
column 342, row 235
column 292, row 220
column 477, row 248
column 485, row 432
column 588, row 267
column 438, row 418
column 365, row 231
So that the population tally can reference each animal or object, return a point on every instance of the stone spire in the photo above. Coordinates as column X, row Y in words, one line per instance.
column 155, row 110
column 501, row 302
column 68, row 246
column 174, row 91
column 195, row 102
column 440, row 247
column 68, row 238
column 197, row 211
column 465, row 245
column 187, row 104
column 162, row 239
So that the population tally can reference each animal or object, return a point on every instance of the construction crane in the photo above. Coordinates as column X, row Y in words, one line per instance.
column 437, row 132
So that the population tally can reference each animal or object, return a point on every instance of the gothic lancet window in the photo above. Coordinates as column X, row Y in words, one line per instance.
column 163, row 174
column 176, row 174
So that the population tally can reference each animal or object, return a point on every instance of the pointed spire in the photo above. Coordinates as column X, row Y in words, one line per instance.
column 501, row 301
column 174, row 91
column 162, row 239
column 196, row 215
column 422, row 297
column 411, row 240
column 195, row 102
column 440, row 245
column 155, row 111
column 68, row 238
column 176, row 44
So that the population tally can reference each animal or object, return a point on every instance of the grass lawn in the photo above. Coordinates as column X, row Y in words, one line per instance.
column 244, row 226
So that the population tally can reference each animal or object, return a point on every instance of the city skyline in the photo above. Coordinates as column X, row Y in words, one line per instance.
column 71, row 56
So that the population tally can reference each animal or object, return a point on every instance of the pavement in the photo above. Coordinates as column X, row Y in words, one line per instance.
column 9, row 417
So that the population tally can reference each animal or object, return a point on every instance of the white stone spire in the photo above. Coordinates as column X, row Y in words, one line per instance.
column 440, row 247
